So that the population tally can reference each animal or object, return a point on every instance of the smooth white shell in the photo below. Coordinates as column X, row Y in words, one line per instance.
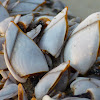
column 27, row 19
column 24, row 6
column 9, row 91
column 88, row 21
column 4, row 24
column 45, row 84
column 33, row 33
column 25, row 56
column 83, row 45
column 80, row 85
column 27, row 6
column 3, row 13
column 54, row 34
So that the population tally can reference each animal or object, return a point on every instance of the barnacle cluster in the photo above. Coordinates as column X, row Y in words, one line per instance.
column 46, row 53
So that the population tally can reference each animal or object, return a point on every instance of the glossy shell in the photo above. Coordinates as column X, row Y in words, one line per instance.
column 82, row 47
column 81, row 84
column 3, row 13
column 50, row 80
column 23, row 54
column 55, row 33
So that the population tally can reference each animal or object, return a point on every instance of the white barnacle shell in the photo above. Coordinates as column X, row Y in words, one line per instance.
column 81, row 84
column 55, row 33
column 33, row 33
column 3, row 13
column 22, row 55
column 4, row 25
column 9, row 91
column 49, row 80
column 95, row 93
column 82, row 47
column 88, row 21
column 26, row 6
column 26, row 20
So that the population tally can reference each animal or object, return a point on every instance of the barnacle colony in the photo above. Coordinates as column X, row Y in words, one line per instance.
column 55, row 34
column 33, row 42
column 82, row 48
column 23, row 54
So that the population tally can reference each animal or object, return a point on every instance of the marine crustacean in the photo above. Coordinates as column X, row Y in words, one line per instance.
column 34, row 39
column 82, row 48
column 86, row 83
column 13, row 50
column 53, row 35
column 52, row 78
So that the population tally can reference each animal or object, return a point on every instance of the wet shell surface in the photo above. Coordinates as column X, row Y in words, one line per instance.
column 47, row 53
column 55, row 33
column 8, row 91
column 80, row 85
column 49, row 80
column 82, row 47
column 3, row 13
column 23, row 57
